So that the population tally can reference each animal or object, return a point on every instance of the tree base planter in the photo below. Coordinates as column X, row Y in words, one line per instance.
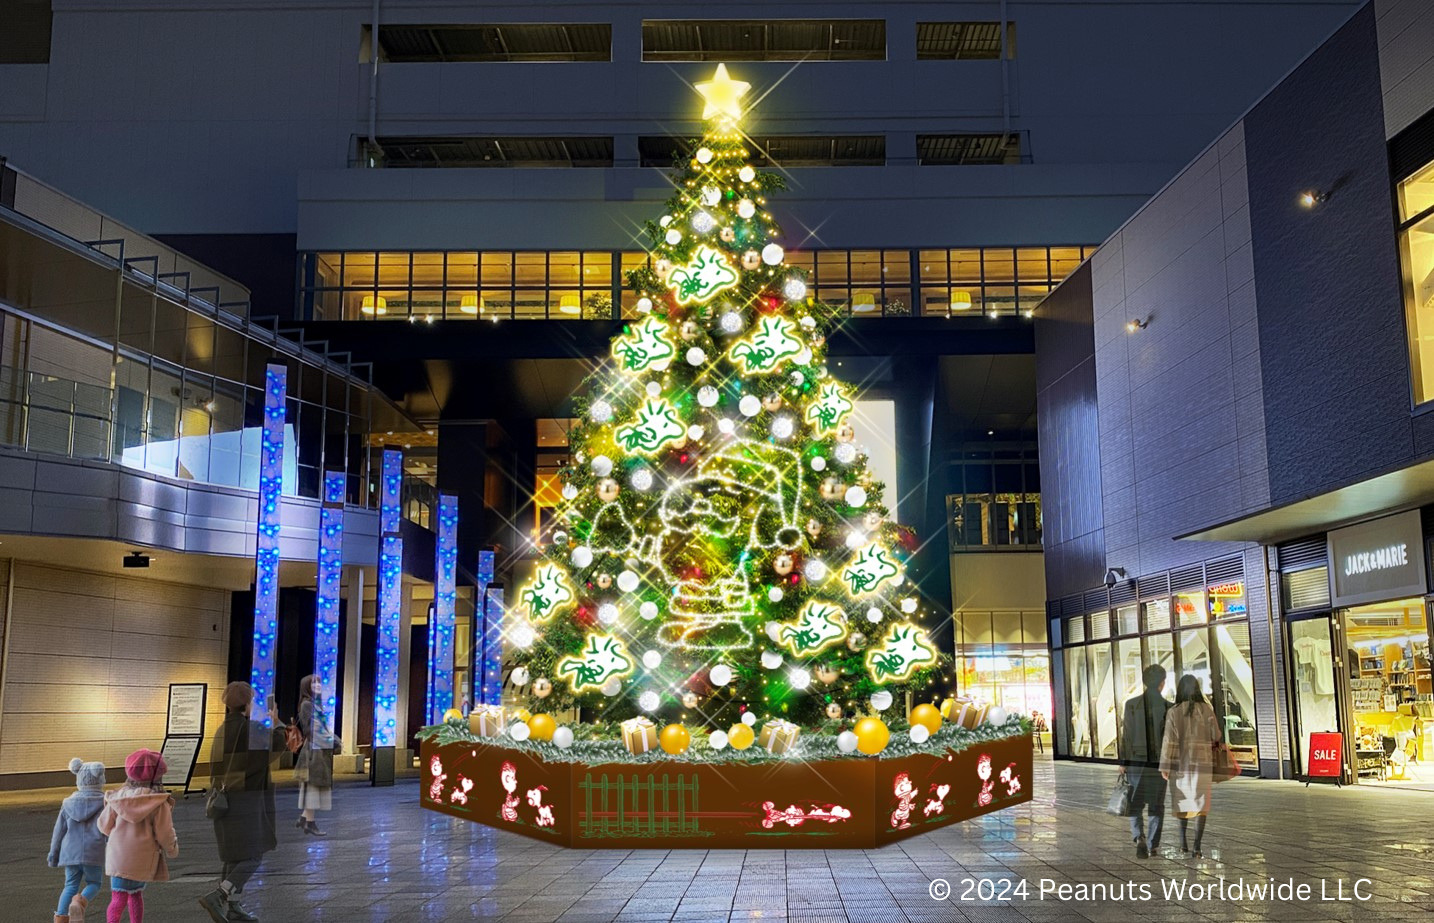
column 823, row 804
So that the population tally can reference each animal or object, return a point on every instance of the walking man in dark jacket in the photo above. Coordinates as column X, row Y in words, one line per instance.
column 1143, row 732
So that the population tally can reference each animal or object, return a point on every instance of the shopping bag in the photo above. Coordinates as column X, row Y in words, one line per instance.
column 1119, row 801
column 1226, row 766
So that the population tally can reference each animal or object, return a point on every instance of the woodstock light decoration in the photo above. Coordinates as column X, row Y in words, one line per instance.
column 768, row 347
column 872, row 569
column 602, row 658
column 546, row 594
column 903, row 650
column 656, row 426
column 830, row 410
column 647, row 347
column 818, row 627
column 707, row 274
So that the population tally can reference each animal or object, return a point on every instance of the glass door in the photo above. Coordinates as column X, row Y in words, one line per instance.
column 1313, row 679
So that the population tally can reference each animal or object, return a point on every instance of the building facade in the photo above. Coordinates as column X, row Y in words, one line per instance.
column 1233, row 426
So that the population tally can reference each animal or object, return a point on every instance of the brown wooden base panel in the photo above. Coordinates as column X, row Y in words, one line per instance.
column 830, row 804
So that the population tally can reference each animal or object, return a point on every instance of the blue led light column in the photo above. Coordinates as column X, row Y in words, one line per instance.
column 445, row 611
column 492, row 692
column 266, row 549
column 390, row 604
column 479, row 628
column 326, row 605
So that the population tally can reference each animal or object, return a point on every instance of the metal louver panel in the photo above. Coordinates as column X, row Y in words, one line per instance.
column 964, row 41
column 779, row 150
column 1306, row 589
column 1122, row 592
column 764, row 40
column 1097, row 599
column 497, row 152
column 458, row 42
column 968, row 149
column 1225, row 570
column 1302, row 554
column 1188, row 578
column 1153, row 586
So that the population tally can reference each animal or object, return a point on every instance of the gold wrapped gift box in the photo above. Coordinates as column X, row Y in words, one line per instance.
column 639, row 735
column 964, row 712
column 778, row 736
column 486, row 721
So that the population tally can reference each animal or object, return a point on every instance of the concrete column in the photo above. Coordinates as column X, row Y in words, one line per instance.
column 352, row 692
column 405, row 646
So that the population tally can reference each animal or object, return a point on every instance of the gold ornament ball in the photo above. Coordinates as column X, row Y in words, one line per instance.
column 832, row 489
column 782, row 564
column 814, row 528
column 521, row 714
column 845, row 433
column 871, row 735
column 740, row 736
column 856, row 641
column 927, row 715
column 728, row 235
column 674, row 739
column 833, row 711
column 689, row 700
column 542, row 687
column 772, row 402
column 607, row 490
column 827, row 673
column 542, row 727
column 751, row 260
column 690, row 330
column 453, row 716
column 948, row 707
column 604, row 581
column 872, row 521
column 662, row 268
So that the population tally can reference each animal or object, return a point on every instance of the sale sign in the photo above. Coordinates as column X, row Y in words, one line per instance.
column 1326, row 757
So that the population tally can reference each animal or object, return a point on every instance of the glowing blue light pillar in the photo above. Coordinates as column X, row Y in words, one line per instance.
column 478, row 627
column 445, row 611
column 326, row 605
column 492, row 691
column 266, row 550
column 390, row 604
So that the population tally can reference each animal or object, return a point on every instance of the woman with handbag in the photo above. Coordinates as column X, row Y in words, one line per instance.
column 314, row 760
column 241, row 800
column 1187, row 759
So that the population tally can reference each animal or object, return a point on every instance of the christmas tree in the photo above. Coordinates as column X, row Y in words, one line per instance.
column 723, row 547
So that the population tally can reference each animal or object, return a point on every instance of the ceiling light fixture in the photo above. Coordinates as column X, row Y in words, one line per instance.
column 1136, row 324
column 1312, row 197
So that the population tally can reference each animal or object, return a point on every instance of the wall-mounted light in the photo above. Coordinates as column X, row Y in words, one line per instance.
column 1137, row 323
column 1312, row 197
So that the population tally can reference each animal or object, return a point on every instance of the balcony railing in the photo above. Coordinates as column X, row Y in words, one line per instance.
column 994, row 521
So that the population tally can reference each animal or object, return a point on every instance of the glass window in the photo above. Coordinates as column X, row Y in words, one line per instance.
column 1127, row 620
column 1227, row 600
column 1312, row 672
column 1103, row 694
column 1190, row 608
column 1235, row 699
column 1194, row 655
column 1416, row 244
column 1078, row 718
column 1161, row 649
column 1131, row 667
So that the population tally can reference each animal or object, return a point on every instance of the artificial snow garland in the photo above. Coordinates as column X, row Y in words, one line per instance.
column 600, row 742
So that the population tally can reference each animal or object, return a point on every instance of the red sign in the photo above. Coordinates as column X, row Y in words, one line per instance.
column 1326, row 755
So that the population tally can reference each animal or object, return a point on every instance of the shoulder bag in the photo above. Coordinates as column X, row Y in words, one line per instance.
column 1119, row 801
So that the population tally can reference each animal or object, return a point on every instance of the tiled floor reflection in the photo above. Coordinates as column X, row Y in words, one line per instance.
column 386, row 859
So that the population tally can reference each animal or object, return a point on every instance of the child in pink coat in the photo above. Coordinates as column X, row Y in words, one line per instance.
column 139, row 821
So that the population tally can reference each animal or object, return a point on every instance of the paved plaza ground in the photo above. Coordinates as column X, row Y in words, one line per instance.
column 387, row 859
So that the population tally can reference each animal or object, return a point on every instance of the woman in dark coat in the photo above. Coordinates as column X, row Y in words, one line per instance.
column 314, row 763
column 239, row 767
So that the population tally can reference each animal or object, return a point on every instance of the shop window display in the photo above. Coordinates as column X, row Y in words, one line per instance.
column 1313, row 676
column 1078, row 717
column 1003, row 659
column 1391, row 690
column 1103, row 698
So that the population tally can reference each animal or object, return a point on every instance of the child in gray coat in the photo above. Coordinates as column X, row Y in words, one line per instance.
column 77, row 844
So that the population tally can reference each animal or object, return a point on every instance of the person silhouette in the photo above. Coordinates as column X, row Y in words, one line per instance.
column 1144, row 732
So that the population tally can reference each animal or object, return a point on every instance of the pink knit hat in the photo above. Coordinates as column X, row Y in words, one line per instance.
column 145, row 766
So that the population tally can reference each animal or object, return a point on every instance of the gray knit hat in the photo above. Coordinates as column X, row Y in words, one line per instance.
column 88, row 776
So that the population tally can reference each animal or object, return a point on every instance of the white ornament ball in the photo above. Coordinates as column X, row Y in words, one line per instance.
column 774, row 631
column 855, row 540
column 696, row 356
column 707, row 396
column 522, row 636
column 720, row 675
column 845, row 453
column 908, row 605
column 519, row 676
column 819, row 464
column 641, row 479
column 704, row 155
column 771, row 660
column 520, row 730
column 600, row 411
column 799, row 678
column 653, row 389
column 695, row 432
column 711, row 195
column 747, row 174
column 772, row 254
column 652, row 660
column 717, row 740
column 627, row 581
column 563, row 737
column 783, row 427
column 644, row 306
column 873, row 615
column 648, row 610
column 702, row 222
column 569, row 492
column 746, row 208
column 582, row 556
column 648, row 701
column 602, row 466
column 920, row 733
column 996, row 716
column 612, row 687
column 674, row 236
column 856, row 496
column 749, row 718
column 726, row 427
column 881, row 700
column 749, row 406
column 846, row 742
column 794, row 289
column 804, row 357
column 607, row 613
column 730, row 322
column 664, row 221
column 816, row 570
column 775, row 594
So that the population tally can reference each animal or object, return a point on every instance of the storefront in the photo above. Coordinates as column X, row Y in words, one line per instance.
column 1357, row 652
column 1193, row 620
